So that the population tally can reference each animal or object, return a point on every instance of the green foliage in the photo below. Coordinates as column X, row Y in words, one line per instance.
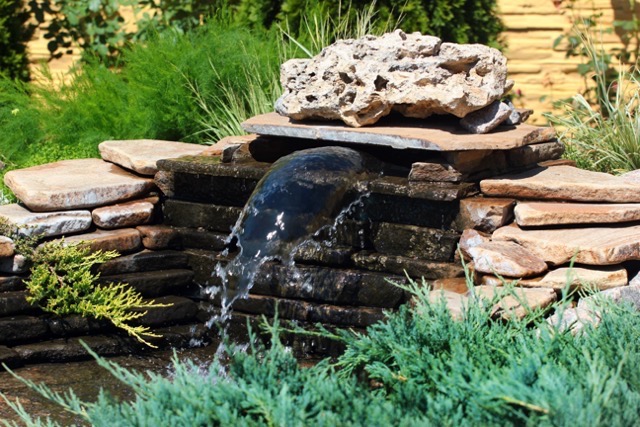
column 15, row 32
column 62, row 282
column 419, row 367
column 602, row 135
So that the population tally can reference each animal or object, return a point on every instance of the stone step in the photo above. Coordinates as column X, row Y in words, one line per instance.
column 303, row 311
column 45, row 224
column 218, row 190
column 179, row 310
column 154, row 284
column 178, row 213
column 418, row 242
column 123, row 240
column 564, row 183
column 20, row 329
column 415, row 267
column 122, row 215
column 13, row 303
column 550, row 213
column 144, row 261
column 141, row 155
column 591, row 246
column 75, row 184
column 11, row 283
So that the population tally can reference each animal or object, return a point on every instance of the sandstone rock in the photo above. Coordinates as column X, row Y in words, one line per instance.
column 414, row 267
column 632, row 176
column 75, row 184
column 551, row 213
column 486, row 119
column 599, row 278
column 458, row 285
column 164, row 181
column 7, row 248
column 46, row 224
column 529, row 155
column 432, row 171
column 123, row 215
column 625, row 294
column 218, row 148
column 490, row 280
column 506, row 259
column 574, row 319
column 485, row 213
column 141, row 155
column 455, row 302
column 517, row 302
column 433, row 136
column 557, row 162
column 563, row 183
column 471, row 238
column 156, row 237
column 360, row 81
column 122, row 240
column 592, row 246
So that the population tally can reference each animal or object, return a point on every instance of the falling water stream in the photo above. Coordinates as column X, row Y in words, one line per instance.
column 302, row 194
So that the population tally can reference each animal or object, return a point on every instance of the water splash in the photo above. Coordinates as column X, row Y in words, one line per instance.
column 302, row 193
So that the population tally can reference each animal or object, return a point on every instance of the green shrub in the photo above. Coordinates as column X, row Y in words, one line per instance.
column 15, row 32
column 419, row 367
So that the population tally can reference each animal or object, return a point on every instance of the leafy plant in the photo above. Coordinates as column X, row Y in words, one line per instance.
column 15, row 32
column 62, row 282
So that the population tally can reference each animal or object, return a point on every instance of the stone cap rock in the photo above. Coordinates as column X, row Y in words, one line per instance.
column 75, row 184
column 141, row 155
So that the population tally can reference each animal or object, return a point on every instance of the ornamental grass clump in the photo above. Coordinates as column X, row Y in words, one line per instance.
column 62, row 282
column 603, row 135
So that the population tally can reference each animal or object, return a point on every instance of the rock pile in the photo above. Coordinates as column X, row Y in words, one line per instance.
column 112, row 204
column 360, row 81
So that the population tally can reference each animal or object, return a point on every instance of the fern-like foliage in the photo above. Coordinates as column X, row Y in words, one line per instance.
column 62, row 282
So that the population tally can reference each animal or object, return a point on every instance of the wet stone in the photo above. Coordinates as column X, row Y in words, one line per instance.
column 211, row 166
column 403, row 210
column 46, row 224
column 203, row 264
column 123, row 240
column 141, row 155
column 412, row 241
column 218, row 190
column 180, row 310
column 308, row 312
column 64, row 350
column 144, row 261
column 74, row 325
column 201, row 239
column 9, row 357
column 153, row 284
column 485, row 213
column 11, row 283
column 435, row 191
column 347, row 287
column 311, row 252
column 414, row 267
column 21, row 329
column 195, row 215
column 123, row 215
column 12, row 303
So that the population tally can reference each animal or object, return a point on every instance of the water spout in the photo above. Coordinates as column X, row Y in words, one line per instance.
column 302, row 193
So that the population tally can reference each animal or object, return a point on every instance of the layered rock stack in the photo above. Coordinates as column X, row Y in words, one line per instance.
column 112, row 204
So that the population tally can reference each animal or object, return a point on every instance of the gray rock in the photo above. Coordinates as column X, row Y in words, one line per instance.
column 14, row 265
column 486, row 119
column 45, row 224
column 360, row 81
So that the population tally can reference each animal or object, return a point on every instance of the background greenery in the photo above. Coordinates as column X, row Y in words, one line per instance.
column 15, row 32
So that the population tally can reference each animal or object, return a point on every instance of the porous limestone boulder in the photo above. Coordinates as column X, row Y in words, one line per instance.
column 359, row 81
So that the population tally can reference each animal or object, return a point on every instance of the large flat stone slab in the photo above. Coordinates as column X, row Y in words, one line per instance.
column 45, row 224
column 122, row 240
column 401, row 134
column 141, row 155
column 563, row 183
column 506, row 259
column 552, row 213
column 596, row 278
column 591, row 246
column 75, row 184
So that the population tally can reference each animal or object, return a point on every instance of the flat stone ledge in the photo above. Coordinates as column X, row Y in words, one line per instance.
column 551, row 213
column 75, row 184
column 45, row 224
column 141, row 155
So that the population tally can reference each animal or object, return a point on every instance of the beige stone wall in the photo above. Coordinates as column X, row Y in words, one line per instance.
column 538, row 69
column 532, row 26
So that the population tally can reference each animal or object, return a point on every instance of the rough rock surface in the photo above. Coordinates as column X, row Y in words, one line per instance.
column 599, row 278
column 7, row 248
column 485, row 213
column 536, row 213
column 563, row 183
column 123, row 215
column 506, row 259
column 45, row 224
column 592, row 246
column 122, row 240
column 141, row 155
column 471, row 238
column 75, row 184
column 486, row 119
column 360, row 81
column 516, row 302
